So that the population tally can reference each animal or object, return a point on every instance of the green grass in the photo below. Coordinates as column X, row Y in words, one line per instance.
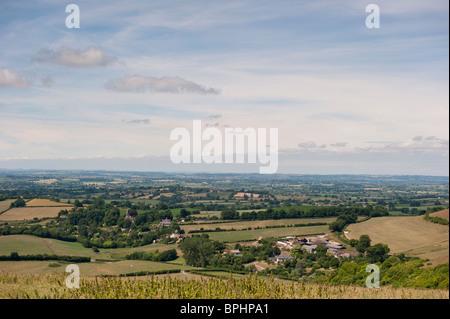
column 257, row 223
column 26, row 244
column 254, row 234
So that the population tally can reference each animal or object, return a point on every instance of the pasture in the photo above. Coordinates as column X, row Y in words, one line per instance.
column 255, row 234
column 257, row 223
column 27, row 245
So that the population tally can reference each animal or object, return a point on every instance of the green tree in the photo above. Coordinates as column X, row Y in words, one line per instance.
column 378, row 253
column 17, row 203
column 363, row 243
column 184, row 213
column 353, row 242
column 197, row 250
column 300, row 268
column 14, row 256
column 77, row 203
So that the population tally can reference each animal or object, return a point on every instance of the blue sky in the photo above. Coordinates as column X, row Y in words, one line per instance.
column 345, row 98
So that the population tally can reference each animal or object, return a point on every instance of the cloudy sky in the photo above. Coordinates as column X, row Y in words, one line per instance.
column 345, row 98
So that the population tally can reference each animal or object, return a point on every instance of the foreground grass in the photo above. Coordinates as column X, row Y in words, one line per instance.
column 168, row 287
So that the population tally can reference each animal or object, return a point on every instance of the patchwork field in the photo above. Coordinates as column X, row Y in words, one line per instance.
column 411, row 235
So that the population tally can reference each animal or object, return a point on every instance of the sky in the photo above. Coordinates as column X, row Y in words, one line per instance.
column 346, row 99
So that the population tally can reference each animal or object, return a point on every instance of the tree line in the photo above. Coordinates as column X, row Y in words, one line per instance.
column 310, row 212
column 14, row 256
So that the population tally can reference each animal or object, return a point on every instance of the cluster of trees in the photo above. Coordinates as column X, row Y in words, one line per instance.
column 294, row 212
column 435, row 219
column 4, row 197
column 398, row 271
column 167, row 255
column 247, row 254
column 200, row 251
column 95, row 223
column 342, row 221
column 14, row 256
column 304, row 263
column 17, row 203
column 39, row 231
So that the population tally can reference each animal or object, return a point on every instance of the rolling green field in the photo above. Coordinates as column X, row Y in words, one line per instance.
column 25, row 244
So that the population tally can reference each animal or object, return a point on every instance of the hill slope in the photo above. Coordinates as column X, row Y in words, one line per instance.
column 411, row 235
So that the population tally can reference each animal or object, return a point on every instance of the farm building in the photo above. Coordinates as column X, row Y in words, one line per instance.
column 281, row 258
column 344, row 254
column 234, row 252
column 166, row 222
column 131, row 214
column 310, row 248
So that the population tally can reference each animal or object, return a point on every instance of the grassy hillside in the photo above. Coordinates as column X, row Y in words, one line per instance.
column 411, row 235
column 26, row 244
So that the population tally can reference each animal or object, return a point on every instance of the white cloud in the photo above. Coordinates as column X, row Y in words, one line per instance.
column 89, row 57
column 10, row 78
column 418, row 144
column 137, row 83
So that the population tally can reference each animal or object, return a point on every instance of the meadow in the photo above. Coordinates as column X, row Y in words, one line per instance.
column 26, row 244
column 255, row 234
column 256, row 223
